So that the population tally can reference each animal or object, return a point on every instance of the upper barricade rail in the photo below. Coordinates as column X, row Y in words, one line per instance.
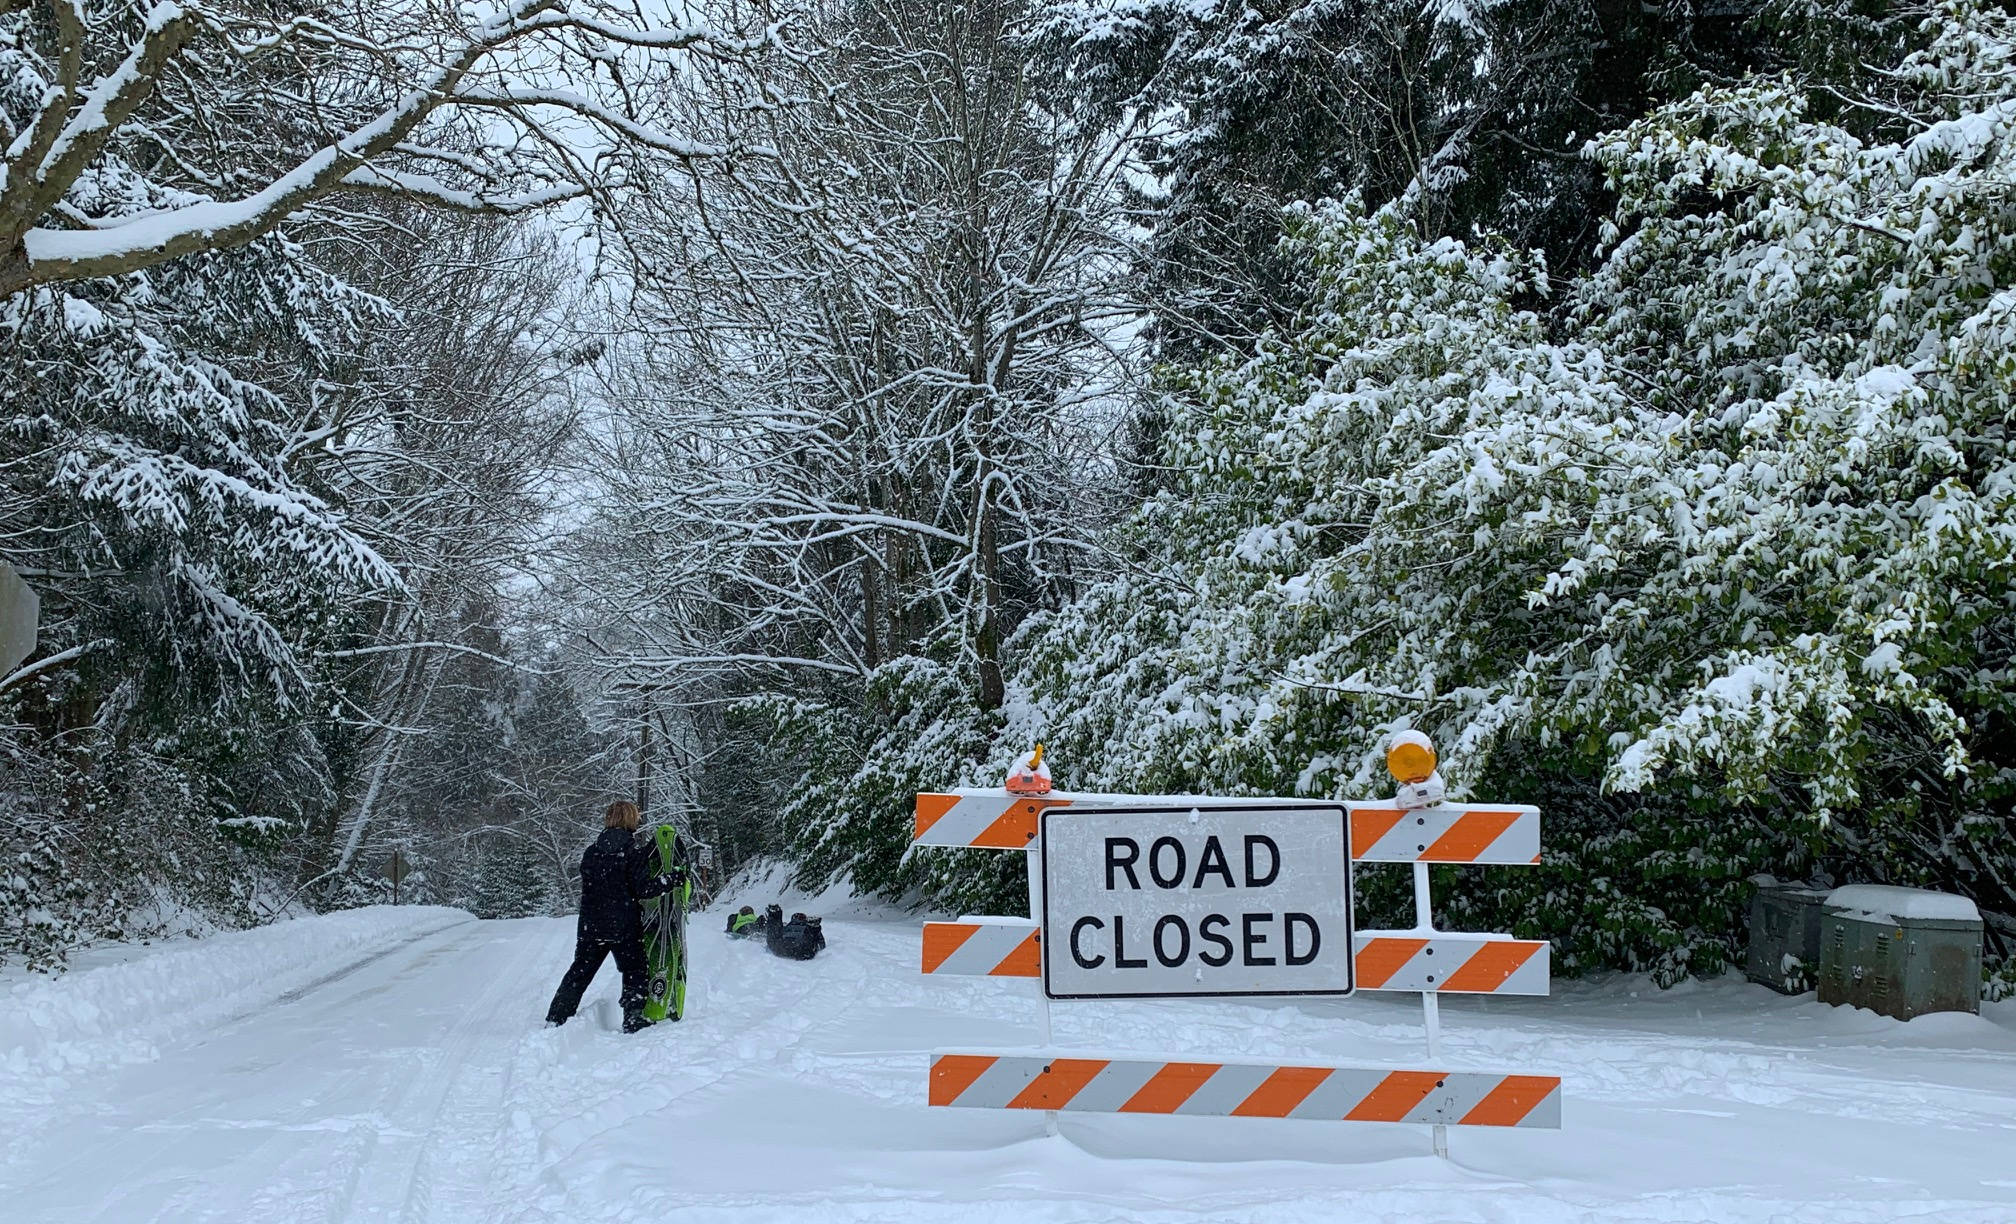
column 992, row 818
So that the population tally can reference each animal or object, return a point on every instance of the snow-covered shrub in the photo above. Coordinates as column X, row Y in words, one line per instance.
column 2000, row 983
column 147, row 486
column 920, row 728
column 1732, row 530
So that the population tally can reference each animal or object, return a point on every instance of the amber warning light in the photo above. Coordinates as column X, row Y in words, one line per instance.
column 1410, row 758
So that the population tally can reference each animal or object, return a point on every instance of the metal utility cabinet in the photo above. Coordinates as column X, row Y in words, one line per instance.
column 1902, row 952
column 1785, row 922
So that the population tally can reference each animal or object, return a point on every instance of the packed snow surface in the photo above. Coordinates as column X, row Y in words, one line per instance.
column 393, row 1067
column 1888, row 901
column 129, row 1009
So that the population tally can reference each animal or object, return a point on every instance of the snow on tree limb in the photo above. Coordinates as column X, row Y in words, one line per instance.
column 492, row 66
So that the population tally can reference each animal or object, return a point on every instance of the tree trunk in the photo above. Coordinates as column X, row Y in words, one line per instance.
column 987, row 643
column 644, row 767
column 871, row 611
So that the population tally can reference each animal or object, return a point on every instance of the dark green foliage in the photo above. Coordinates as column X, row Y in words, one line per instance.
column 512, row 880
column 1473, row 112
column 1649, row 872
column 920, row 728
column 1657, row 883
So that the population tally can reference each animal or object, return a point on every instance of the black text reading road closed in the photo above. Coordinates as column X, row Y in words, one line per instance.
column 1254, row 938
column 1182, row 901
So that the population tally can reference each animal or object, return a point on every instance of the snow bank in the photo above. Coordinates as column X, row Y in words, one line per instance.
column 125, row 1012
column 424, row 1087
column 768, row 880
column 1880, row 901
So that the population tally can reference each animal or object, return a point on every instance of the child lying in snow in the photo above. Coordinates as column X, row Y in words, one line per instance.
column 799, row 939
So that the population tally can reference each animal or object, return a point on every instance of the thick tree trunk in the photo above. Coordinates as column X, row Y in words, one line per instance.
column 987, row 643
column 14, row 272
column 871, row 611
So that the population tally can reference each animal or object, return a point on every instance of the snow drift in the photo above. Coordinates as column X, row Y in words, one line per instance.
column 52, row 1028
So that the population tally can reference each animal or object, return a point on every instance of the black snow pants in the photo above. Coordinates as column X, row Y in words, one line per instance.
column 588, row 954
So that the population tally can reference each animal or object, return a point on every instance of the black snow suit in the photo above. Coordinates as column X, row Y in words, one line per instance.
column 799, row 939
column 615, row 876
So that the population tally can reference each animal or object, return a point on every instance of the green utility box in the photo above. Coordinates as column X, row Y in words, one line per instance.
column 1900, row 951
column 1785, row 922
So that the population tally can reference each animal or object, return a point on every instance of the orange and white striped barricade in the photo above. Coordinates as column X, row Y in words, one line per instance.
column 1444, row 963
column 998, row 1079
column 1386, row 960
column 1506, row 834
column 1422, row 960
column 993, row 819
column 983, row 947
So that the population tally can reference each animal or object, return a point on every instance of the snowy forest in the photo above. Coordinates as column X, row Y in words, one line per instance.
column 424, row 421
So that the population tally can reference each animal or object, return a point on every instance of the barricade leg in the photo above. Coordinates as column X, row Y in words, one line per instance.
column 1033, row 859
column 1431, row 1015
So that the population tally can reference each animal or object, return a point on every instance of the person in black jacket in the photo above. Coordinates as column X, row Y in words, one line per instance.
column 615, row 876
column 801, row 938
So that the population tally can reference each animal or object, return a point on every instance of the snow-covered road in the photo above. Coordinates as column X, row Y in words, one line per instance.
column 419, row 1086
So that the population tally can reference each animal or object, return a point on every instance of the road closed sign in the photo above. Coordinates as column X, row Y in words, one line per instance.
column 1170, row 901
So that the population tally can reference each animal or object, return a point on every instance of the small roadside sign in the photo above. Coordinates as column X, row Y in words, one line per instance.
column 1172, row 901
column 396, row 871
column 19, row 611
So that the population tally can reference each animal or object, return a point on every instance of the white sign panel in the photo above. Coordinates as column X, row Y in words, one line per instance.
column 18, row 607
column 1173, row 901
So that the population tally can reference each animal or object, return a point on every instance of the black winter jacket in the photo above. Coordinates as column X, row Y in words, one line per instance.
column 615, row 876
column 798, row 939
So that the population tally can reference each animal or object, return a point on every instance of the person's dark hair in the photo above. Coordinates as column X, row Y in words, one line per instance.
column 622, row 814
column 748, row 909
column 798, row 916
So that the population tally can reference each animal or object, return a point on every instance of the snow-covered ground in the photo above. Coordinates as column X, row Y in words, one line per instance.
column 419, row 1085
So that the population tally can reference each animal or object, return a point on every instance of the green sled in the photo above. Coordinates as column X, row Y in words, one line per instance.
column 665, row 933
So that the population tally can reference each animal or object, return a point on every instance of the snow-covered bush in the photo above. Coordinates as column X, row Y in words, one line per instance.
column 247, row 468
column 919, row 728
column 1731, row 529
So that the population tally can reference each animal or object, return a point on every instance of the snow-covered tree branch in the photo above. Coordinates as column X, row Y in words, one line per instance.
column 182, row 127
column 882, row 379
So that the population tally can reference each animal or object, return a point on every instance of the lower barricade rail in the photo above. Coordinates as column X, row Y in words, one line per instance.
column 1000, row 1080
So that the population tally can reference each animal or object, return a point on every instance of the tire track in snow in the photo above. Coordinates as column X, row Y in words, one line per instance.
column 300, row 992
column 558, row 1127
column 195, row 1111
column 399, row 1179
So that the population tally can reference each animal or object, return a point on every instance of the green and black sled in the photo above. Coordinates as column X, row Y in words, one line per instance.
column 665, row 931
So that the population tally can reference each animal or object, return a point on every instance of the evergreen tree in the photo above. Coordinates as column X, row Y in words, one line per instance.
column 1714, row 564
column 512, row 881
column 1468, row 112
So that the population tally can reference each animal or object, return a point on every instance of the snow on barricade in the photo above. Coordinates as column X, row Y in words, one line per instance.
column 1880, row 901
column 125, row 1012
